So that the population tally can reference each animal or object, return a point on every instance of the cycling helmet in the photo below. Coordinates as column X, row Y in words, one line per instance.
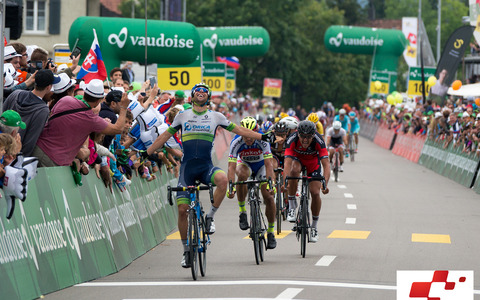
column 306, row 127
column 290, row 122
column 270, row 118
column 201, row 84
column 281, row 128
column 342, row 112
column 266, row 126
column 291, row 112
column 313, row 118
column 321, row 114
column 249, row 123
column 259, row 119
column 337, row 125
column 283, row 115
column 352, row 114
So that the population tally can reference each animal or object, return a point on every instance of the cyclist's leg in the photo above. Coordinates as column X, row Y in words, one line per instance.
column 183, row 202
column 341, row 149
column 293, row 171
column 242, row 171
column 219, row 178
column 268, row 198
column 331, row 152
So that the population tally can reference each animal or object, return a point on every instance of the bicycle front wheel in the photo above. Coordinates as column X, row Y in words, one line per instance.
column 279, row 207
column 335, row 168
column 202, row 253
column 304, row 228
column 254, row 228
column 193, row 242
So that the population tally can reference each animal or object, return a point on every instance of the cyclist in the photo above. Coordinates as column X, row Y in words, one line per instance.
column 198, row 126
column 313, row 117
column 250, row 157
column 354, row 127
column 306, row 147
column 342, row 117
column 336, row 138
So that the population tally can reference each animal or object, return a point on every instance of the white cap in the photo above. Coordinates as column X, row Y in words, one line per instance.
column 438, row 114
column 61, row 67
column 9, row 82
column 65, row 83
column 10, row 53
column 95, row 89
column 118, row 88
column 465, row 115
column 179, row 107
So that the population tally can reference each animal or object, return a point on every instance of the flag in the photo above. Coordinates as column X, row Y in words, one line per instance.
column 4, row 41
column 93, row 66
column 231, row 61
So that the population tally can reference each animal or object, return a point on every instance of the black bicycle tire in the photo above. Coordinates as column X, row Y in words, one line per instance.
column 262, row 245
column 278, row 206
column 335, row 166
column 202, row 256
column 193, row 242
column 254, row 230
column 304, row 225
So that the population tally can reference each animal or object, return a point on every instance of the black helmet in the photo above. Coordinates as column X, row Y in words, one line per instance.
column 271, row 118
column 259, row 119
column 306, row 127
column 281, row 128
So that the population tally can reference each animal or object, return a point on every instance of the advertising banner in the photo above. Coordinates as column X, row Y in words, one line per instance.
column 272, row 87
column 231, row 77
column 415, row 87
column 214, row 75
column 409, row 29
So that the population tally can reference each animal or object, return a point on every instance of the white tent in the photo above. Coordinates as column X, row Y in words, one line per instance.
column 467, row 90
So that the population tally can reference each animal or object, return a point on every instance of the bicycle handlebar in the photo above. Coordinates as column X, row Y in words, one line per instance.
column 308, row 178
column 191, row 189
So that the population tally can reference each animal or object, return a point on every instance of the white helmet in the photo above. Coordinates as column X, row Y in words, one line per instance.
column 337, row 125
column 290, row 122
column 342, row 111
column 321, row 114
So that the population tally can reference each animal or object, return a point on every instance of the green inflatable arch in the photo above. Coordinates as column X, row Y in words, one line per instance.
column 386, row 46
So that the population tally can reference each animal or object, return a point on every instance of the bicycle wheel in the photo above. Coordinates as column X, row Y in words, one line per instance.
column 304, row 227
column 278, row 203
column 202, row 253
column 193, row 242
column 351, row 147
column 254, row 226
column 335, row 167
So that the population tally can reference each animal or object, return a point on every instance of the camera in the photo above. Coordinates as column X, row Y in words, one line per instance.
column 50, row 64
column 34, row 66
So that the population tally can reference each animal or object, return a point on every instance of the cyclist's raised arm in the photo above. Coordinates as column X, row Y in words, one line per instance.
column 246, row 132
column 160, row 141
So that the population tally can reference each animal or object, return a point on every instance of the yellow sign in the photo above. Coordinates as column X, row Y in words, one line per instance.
column 415, row 87
column 216, row 84
column 272, row 92
column 230, row 85
column 382, row 90
column 181, row 78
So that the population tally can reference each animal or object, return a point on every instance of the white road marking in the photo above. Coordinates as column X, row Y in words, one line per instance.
column 325, row 261
column 245, row 282
column 289, row 294
column 348, row 195
column 341, row 186
column 351, row 221
column 351, row 206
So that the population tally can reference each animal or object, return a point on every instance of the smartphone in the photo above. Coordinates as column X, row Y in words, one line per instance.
column 153, row 81
column 75, row 52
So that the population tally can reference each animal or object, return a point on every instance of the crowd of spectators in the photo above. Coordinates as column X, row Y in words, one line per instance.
column 457, row 122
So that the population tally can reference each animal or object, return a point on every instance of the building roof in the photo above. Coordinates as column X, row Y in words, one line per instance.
column 385, row 24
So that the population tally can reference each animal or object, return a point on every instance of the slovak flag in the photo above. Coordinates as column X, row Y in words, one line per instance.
column 93, row 66
column 231, row 61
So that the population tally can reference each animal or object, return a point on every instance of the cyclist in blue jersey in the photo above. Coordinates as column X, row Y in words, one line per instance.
column 198, row 126
column 249, row 157
column 342, row 117
column 354, row 127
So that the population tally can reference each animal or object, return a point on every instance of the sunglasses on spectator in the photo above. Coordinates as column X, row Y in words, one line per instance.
column 306, row 136
column 201, row 90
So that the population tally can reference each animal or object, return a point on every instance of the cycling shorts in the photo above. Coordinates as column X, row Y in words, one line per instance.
column 259, row 173
column 191, row 170
column 280, row 160
column 334, row 146
column 254, row 167
column 355, row 129
column 313, row 166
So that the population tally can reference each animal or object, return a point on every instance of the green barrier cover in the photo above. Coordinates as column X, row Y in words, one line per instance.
column 449, row 162
column 64, row 234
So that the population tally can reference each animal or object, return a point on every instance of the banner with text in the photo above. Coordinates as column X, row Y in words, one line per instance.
column 272, row 87
column 415, row 87
column 214, row 75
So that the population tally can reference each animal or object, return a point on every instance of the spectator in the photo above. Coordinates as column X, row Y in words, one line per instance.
column 11, row 56
column 8, row 150
column 32, row 108
column 115, row 73
column 65, row 87
column 63, row 137
column 127, row 72
column 179, row 99
column 164, row 97
column 10, row 123
column 109, row 109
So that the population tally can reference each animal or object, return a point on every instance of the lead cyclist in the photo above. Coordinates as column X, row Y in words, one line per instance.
column 354, row 128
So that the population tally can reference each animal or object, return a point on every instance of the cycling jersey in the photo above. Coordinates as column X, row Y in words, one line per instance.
column 309, row 157
column 336, row 139
column 253, row 155
column 319, row 127
column 198, row 132
column 345, row 121
column 354, row 126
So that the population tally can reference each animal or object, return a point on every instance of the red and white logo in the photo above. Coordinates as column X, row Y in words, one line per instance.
column 435, row 285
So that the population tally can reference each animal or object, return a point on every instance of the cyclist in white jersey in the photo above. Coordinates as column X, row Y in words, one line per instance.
column 198, row 126
column 336, row 138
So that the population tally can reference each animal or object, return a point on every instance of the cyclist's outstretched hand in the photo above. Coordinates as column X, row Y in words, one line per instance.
column 325, row 191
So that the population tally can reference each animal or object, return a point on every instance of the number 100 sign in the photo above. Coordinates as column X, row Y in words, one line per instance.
column 185, row 78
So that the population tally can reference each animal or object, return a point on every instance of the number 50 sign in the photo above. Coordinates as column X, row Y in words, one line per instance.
column 178, row 78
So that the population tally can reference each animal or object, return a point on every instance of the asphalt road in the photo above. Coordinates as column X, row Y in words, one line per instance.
column 385, row 214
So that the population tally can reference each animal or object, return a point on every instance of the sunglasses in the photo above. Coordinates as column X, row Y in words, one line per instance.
column 201, row 90
column 305, row 136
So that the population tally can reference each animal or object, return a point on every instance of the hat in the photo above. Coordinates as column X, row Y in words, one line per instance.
column 65, row 83
column 136, row 86
column 114, row 95
column 465, row 115
column 187, row 106
column 95, row 89
column 12, row 118
column 118, row 88
column 10, row 53
column 438, row 114
column 44, row 78
column 179, row 94
column 10, row 69
column 9, row 82
column 62, row 67
column 30, row 49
